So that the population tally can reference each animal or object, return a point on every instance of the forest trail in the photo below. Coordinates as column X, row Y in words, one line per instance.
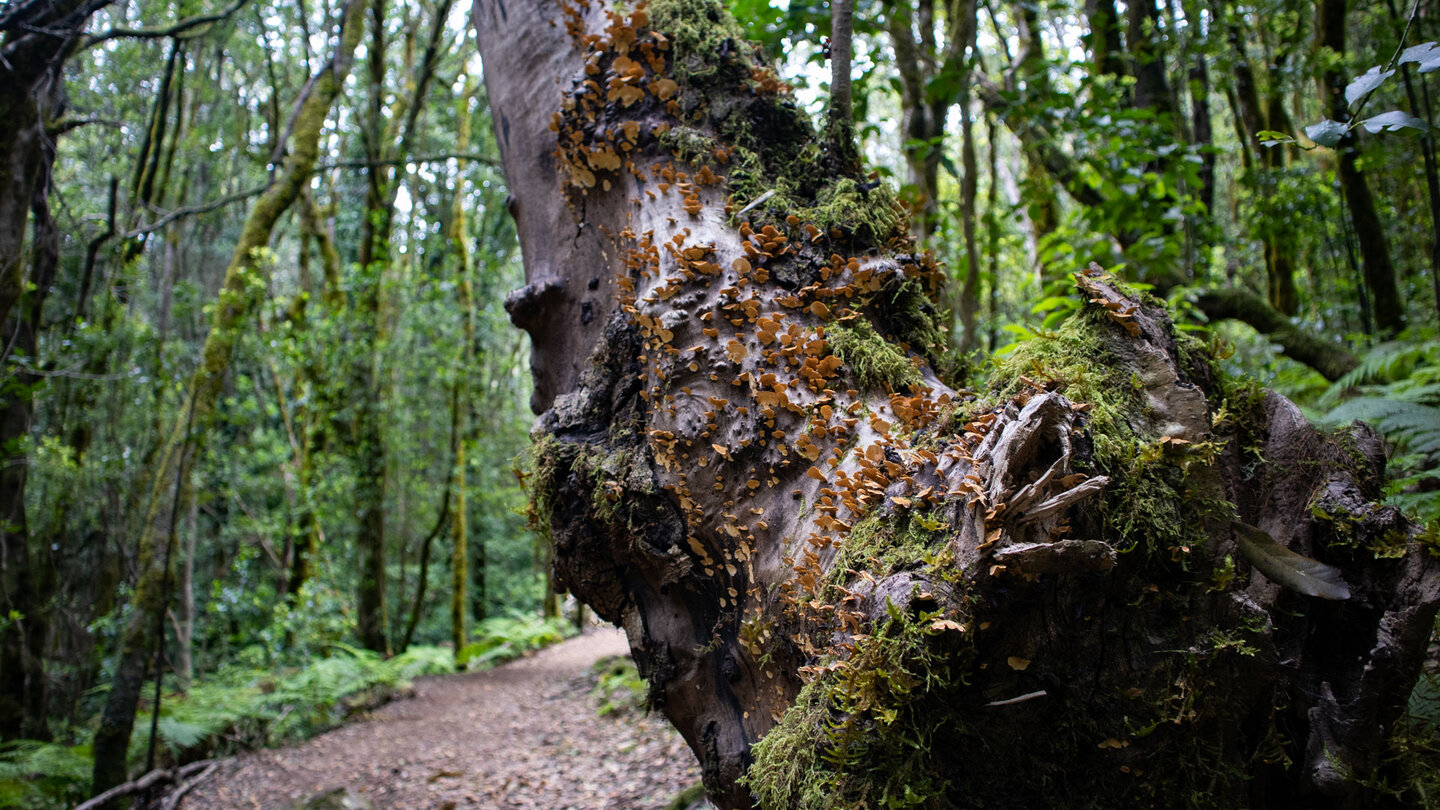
column 525, row 734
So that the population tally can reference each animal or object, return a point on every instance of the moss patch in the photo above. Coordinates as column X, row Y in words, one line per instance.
column 875, row 362
column 1147, row 504
column 860, row 734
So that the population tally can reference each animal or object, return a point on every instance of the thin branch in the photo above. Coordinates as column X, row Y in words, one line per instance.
column 160, row 32
column 365, row 164
column 151, row 778
column 203, row 208
column 172, row 802
column 65, row 125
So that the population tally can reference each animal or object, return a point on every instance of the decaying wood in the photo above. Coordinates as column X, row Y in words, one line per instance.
column 718, row 480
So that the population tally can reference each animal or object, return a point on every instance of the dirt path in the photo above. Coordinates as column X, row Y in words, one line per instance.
column 522, row 735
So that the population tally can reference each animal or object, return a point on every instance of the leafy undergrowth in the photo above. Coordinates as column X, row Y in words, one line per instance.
column 1396, row 388
column 618, row 688
column 505, row 638
column 241, row 707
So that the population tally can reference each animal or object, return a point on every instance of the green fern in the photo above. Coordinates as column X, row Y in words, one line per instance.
column 1385, row 364
column 1415, row 426
column 38, row 776
column 1396, row 389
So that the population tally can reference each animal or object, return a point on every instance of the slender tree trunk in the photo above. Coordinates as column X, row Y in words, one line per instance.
column 965, row 26
column 848, row 584
column 1427, row 152
column 992, row 233
column 367, row 433
column 169, row 486
column 23, row 692
column 841, row 140
column 1034, row 71
column 460, row 575
column 1375, row 264
column 1143, row 38
column 1106, row 52
column 459, row 546
column 184, row 619
column 923, row 117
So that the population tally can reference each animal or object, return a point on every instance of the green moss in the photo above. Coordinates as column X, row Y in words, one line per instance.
column 541, row 465
column 690, row 145
column 773, row 146
column 874, row 361
column 845, row 205
column 696, row 45
column 882, row 543
column 614, row 476
column 860, row 735
column 1147, row 503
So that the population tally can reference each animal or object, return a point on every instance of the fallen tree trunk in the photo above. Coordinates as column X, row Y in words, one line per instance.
column 849, row 584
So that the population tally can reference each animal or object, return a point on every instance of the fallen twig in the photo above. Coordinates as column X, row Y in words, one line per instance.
column 149, row 779
column 172, row 802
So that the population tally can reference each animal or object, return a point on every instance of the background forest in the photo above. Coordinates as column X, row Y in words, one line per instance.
column 264, row 411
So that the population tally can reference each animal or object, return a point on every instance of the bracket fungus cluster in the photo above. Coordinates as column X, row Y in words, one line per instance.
column 851, row 584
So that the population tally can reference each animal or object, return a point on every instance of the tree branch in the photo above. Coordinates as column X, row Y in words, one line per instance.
column 151, row 778
column 1330, row 359
column 160, row 32
column 1060, row 165
column 240, row 196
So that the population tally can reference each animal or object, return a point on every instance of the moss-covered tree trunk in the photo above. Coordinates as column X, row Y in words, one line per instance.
column 169, row 487
column 25, row 586
column 850, row 584
column 459, row 526
column 35, row 41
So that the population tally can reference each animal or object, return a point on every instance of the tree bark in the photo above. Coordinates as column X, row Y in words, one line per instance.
column 23, row 692
column 170, row 482
column 849, row 585
column 460, row 239
column 923, row 115
column 1375, row 264
column 382, row 144
column 35, row 41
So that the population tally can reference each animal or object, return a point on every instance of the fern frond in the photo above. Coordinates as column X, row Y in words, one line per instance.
column 1413, row 425
column 1384, row 363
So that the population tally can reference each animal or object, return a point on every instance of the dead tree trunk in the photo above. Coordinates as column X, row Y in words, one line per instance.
column 851, row 585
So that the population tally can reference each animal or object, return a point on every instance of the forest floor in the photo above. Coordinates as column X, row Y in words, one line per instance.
column 525, row 734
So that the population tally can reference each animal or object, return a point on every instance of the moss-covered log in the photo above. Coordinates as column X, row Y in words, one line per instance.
column 852, row 585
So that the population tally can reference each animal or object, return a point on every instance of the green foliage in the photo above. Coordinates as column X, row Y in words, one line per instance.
column 41, row 776
column 1396, row 388
column 1145, row 504
column 859, row 734
column 243, row 707
column 504, row 638
column 875, row 362
column 618, row 688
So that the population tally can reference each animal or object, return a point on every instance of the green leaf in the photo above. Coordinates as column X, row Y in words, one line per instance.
column 1393, row 121
column 1364, row 85
column 1288, row 568
column 1052, row 301
column 1326, row 133
column 180, row 735
column 1269, row 137
column 1426, row 55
